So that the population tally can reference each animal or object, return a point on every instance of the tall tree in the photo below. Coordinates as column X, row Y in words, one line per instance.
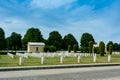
column 90, row 47
column 69, row 48
column 2, row 39
column 109, row 43
column 55, row 39
column 14, row 41
column 85, row 39
column 75, row 47
column 102, row 48
column 110, row 49
column 32, row 35
column 69, row 40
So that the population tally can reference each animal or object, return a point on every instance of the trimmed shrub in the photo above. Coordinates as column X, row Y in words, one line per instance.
column 110, row 49
column 90, row 46
column 75, row 48
column 69, row 48
column 102, row 48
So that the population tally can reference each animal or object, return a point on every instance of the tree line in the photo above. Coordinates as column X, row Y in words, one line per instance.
column 55, row 42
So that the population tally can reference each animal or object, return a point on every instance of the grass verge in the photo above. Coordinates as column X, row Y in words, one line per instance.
column 6, row 61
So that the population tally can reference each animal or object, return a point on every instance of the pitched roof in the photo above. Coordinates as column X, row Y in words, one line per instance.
column 36, row 43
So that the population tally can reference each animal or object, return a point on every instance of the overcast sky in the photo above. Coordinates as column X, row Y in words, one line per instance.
column 101, row 18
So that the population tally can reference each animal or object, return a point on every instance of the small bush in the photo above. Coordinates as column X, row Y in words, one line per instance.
column 49, row 49
column 75, row 48
column 102, row 48
column 69, row 48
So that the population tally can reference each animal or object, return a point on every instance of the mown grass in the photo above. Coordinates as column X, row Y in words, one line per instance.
column 6, row 61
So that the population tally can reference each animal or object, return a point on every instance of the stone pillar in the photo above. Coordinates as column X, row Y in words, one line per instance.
column 20, row 60
column 42, row 60
column 94, row 58
column 61, row 59
column 79, row 59
column 109, row 58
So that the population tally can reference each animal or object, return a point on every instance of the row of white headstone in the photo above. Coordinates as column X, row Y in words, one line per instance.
column 42, row 56
column 61, row 58
column 59, row 54
column 115, row 52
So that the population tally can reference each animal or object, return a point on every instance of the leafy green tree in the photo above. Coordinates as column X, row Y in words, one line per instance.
column 32, row 35
column 109, row 43
column 84, row 49
column 85, row 39
column 69, row 40
column 9, row 43
column 96, row 50
column 52, row 48
column 55, row 39
column 90, row 47
column 101, row 48
column 14, row 41
column 2, row 39
column 110, row 49
column 116, row 47
column 46, row 49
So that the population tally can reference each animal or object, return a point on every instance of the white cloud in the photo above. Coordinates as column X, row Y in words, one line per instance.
column 13, row 25
column 103, row 23
column 49, row 4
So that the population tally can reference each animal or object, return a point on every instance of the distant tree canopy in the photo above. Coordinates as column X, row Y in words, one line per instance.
column 55, row 39
column 14, row 42
column 32, row 35
column 2, row 39
column 53, row 43
column 69, row 40
column 85, row 39
column 116, row 47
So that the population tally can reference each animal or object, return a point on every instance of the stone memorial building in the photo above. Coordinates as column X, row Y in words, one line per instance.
column 35, row 47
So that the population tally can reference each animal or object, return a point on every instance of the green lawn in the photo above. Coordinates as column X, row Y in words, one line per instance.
column 6, row 61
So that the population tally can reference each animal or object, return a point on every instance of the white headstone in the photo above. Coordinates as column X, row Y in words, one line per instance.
column 11, row 55
column 61, row 59
column 20, row 60
column 42, row 60
column 109, row 58
column 79, row 58
column 94, row 58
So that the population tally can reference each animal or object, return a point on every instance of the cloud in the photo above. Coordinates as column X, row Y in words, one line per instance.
column 103, row 24
column 49, row 4
column 65, row 16
column 14, row 25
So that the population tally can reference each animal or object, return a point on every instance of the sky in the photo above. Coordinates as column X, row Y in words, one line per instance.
column 101, row 18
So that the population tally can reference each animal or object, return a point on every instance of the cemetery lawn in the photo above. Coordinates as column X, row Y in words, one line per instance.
column 6, row 61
